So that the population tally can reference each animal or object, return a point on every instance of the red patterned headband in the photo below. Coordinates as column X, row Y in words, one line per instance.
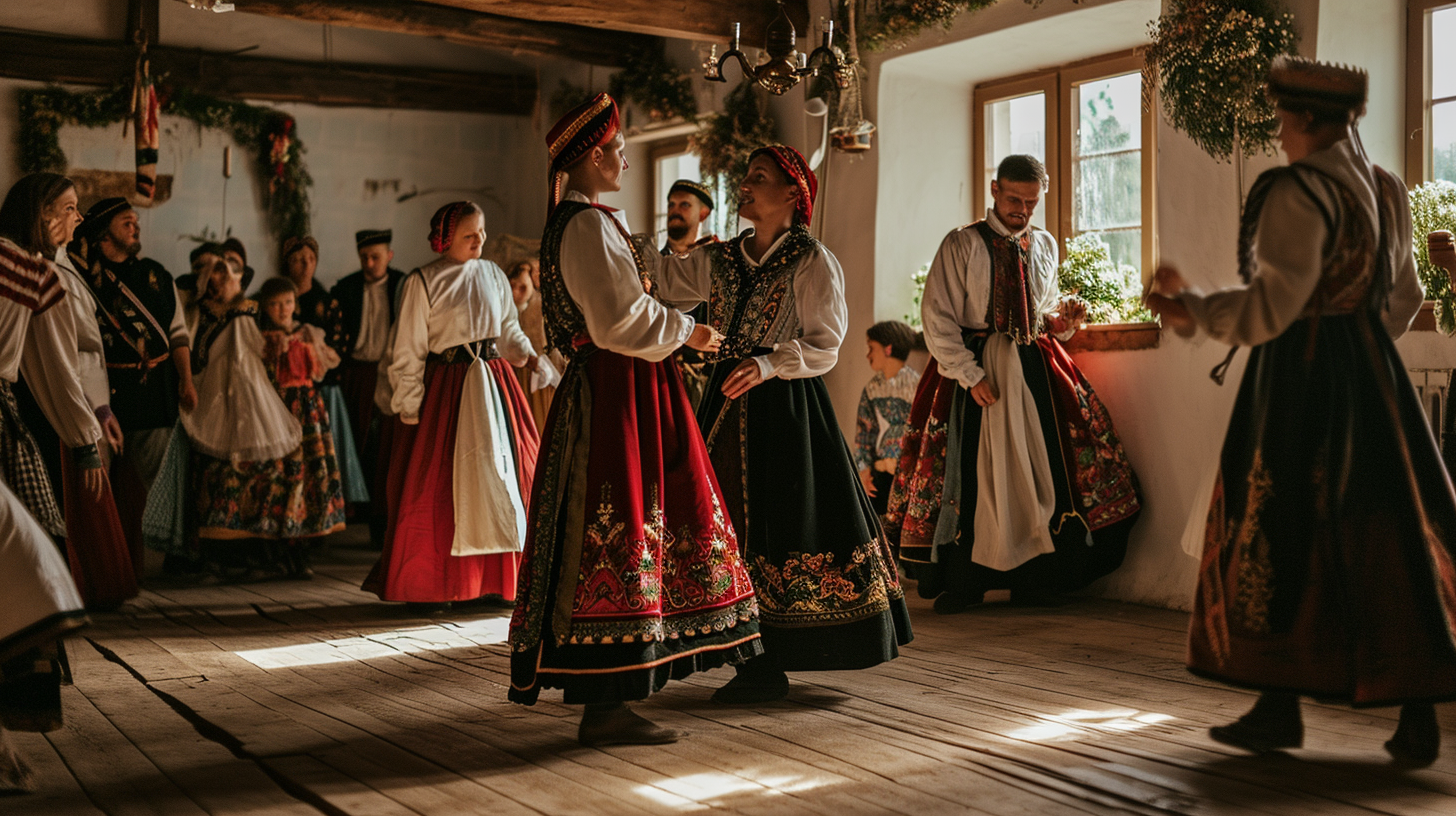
column 444, row 222
column 797, row 169
column 588, row 125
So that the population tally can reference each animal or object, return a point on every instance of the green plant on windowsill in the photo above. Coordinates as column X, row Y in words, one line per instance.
column 1113, row 291
column 917, row 282
column 1433, row 207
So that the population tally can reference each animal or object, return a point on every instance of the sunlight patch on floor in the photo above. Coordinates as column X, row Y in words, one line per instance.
column 702, row 791
column 447, row 635
column 1070, row 724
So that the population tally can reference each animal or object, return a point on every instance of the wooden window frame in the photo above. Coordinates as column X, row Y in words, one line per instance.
column 1418, row 164
column 1059, row 84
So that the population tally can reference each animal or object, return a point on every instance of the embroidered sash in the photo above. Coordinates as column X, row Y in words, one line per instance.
column 1009, row 310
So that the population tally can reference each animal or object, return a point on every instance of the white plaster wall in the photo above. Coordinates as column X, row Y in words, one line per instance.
column 1371, row 34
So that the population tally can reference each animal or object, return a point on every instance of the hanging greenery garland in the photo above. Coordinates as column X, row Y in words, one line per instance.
column 724, row 143
column 1209, row 60
column 893, row 23
column 656, row 86
column 267, row 132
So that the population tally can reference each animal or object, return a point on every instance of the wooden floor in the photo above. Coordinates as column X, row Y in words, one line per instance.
column 313, row 697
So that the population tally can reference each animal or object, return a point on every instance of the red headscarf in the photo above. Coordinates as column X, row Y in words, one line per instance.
column 590, row 124
column 444, row 222
column 792, row 163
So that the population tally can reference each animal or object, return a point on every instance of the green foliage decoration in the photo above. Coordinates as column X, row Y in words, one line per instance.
column 656, row 86
column 917, row 282
column 724, row 143
column 267, row 133
column 1209, row 60
column 886, row 24
column 1112, row 291
column 1433, row 207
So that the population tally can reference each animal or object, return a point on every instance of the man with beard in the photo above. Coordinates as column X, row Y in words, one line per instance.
column 688, row 205
column 144, row 334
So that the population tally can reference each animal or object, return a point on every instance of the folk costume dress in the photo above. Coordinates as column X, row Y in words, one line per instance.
column 103, row 565
column 1328, row 550
column 631, row 574
column 828, row 594
column 249, row 469
column 319, row 307
column 38, row 341
column 296, row 360
column 459, row 475
column 879, row 427
column 1033, row 493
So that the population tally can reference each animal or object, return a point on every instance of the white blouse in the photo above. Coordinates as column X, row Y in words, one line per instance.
column 447, row 304
column 603, row 281
column 1289, row 257
column 806, row 338
column 958, row 291
column 43, row 348
column 374, row 324
column 92, row 354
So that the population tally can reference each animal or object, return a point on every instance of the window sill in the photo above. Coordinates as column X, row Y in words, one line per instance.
column 1116, row 337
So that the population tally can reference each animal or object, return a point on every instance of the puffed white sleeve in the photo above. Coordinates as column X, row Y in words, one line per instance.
column 823, row 319
column 683, row 281
column 50, row 363
column 411, row 348
column 1288, row 251
column 945, row 288
column 512, row 344
column 602, row 279
column 1406, row 294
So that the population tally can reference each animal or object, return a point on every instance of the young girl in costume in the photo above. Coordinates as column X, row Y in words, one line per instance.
column 884, row 405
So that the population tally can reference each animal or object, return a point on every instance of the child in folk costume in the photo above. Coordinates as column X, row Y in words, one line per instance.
column 828, row 594
column 631, row 574
column 96, row 546
column 464, row 444
column 251, row 476
column 296, row 358
column 1328, row 561
column 884, row 407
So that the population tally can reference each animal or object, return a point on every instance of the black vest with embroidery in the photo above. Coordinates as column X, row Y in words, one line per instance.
column 1009, row 309
column 564, row 322
column 747, row 301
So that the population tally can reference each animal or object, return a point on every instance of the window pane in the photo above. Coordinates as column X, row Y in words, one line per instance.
column 1107, row 173
column 1015, row 126
column 1443, row 56
column 1443, row 141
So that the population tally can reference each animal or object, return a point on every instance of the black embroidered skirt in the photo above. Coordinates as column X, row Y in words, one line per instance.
column 828, row 594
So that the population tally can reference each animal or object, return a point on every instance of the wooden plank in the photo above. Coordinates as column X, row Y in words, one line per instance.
column 685, row 19
column 344, row 793
column 576, row 42
column 56, row 792
column 95, row 62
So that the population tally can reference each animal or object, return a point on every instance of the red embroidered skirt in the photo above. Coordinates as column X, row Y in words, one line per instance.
column 631, row 574
column 101, row 561
column 416, row 564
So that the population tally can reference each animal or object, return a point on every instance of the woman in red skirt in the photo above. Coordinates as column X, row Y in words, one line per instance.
column 463, row 447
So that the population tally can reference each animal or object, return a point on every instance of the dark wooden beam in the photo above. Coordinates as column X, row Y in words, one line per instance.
column 94, row 62
column 576, row 42
column 686, row 19
column 143, row 21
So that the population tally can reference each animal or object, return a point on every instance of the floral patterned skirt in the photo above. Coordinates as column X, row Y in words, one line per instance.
column 296, row 496
column 828, row 594
column 631, row 574
column 1329, row 567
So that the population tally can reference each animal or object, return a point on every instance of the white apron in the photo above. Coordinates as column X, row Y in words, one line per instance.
column 490, row 517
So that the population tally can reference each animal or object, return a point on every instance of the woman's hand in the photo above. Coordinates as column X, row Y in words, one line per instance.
column 111, row 429
column 1168, row 282
column 187, row 396
column 94, row 479
column 705, row 338
column 1173, row 314
column 745, row 376
column 867, row 480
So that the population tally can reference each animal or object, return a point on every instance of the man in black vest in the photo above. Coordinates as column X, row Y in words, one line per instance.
column 148, row 358
column 366, row 304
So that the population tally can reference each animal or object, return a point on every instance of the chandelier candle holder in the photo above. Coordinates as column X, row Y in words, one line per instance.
column 786, row 65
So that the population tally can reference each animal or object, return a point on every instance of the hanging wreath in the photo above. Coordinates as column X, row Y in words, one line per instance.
column 267, row 132
column 725, row 142
column 655, row 86
column 1209, row 60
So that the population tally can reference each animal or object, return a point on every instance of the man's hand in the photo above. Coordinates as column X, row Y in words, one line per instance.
column 532, row 363
column 745, row 376
column 1442, row 252
column 705, row 338
column 984, row 393
column 111, row 429
column 1168, row 282
column 1173, row 314
column 187, row 396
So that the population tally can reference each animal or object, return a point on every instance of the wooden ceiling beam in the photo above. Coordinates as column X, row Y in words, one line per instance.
column 95, row 62
column 459, row 25
column 709, row 20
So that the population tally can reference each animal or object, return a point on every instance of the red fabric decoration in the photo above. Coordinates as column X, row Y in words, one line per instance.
column 793, row 164
column 590, row 124
column 444, row 222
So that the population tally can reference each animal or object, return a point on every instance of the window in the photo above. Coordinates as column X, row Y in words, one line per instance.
column 672, row 161
column 1086, row 122
column 1431, row 92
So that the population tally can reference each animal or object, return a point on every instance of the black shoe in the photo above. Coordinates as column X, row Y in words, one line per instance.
column 1417, row 740
column 1272, row 724
column 953, row 601
column 619, row 725
column 748, row 688
column 930, row 585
